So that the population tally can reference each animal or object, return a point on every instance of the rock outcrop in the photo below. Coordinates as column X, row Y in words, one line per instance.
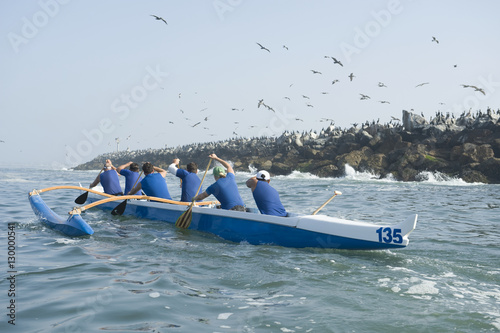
column 467, row 147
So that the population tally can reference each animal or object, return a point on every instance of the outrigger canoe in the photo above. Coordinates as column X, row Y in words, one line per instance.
column 298, row 231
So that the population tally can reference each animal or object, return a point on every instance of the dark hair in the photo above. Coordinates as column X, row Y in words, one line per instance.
column 147, row 168
column 134, row 167
column 192, row 167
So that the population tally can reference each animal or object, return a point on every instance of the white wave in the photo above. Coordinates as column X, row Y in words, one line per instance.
column 438, row 178
column 299, row 175
column 350, row 173
column 63, row 241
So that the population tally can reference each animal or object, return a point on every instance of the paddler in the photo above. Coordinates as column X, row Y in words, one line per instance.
column 265, row 196
column 108, row 179
column 154, row 183
column 225, row 188
column 189, row 178
column 131, row 175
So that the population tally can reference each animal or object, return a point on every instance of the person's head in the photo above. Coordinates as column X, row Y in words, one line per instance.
column 192, row 167
column 219, row 172
column 263, row 175
column 134, row 167
column 147, row 168
column 108, row 165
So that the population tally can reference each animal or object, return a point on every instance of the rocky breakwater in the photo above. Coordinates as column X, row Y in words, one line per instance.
column 467, row 147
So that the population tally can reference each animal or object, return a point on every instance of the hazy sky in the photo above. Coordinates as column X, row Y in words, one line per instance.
column 76, row 75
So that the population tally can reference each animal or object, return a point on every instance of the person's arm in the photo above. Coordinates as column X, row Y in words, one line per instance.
column 224, row 163
column 172, row 168
column 160, row 171
column 200, row 196
column 123, row 166
column 136, row 189
column 96, row 181
column 252, row 183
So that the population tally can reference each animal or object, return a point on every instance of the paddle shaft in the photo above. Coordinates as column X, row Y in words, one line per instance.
column 184, row 221
column 202, row 179
column 135, row 183
column 118, row 210
column 326, row 203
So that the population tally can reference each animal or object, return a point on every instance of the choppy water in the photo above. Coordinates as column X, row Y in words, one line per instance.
column 137, row 275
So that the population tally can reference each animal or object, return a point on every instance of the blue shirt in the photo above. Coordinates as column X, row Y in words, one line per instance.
column 268, row 200
column 226, row 191
column 154, row 185
column 190, row 184
column 130, row 180
column 110, row 182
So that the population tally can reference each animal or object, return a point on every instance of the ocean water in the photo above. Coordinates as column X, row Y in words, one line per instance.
column 136, row 275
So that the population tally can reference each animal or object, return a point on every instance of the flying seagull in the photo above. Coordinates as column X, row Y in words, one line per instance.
column 382, row 85
column 315, row 72
column 421, row 84
column 363, row 96
column 285, row 47
column 351, row 76
column 335, row 61
column 384, row 102
column 474, row 87
column 263, row 48
column 434, row 40
column 160, row 19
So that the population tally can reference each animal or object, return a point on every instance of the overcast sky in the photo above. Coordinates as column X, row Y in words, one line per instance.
column 77, row 75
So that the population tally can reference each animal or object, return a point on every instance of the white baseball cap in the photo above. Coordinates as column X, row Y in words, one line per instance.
column 263, row 175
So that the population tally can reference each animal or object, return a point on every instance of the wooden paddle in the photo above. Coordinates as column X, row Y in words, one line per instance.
column 326, row 202
column 83, row 197
column 184, row 221
column 118, row 210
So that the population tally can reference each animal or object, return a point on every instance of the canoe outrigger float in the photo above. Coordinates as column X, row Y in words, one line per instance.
column 296, row 231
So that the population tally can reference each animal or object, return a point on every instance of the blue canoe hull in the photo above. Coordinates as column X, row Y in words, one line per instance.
column 74, row 226
column 258, row 229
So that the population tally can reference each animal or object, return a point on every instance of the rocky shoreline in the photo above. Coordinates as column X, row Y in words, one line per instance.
column 467, row 147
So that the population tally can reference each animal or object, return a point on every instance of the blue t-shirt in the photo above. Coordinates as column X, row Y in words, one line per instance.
column 226, row 191
column 130, row 180
column 154, row 185
column 190, row 184
column 267, row 199
column 110, row 182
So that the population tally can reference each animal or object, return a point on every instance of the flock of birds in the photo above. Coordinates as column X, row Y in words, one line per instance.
column 261, row 103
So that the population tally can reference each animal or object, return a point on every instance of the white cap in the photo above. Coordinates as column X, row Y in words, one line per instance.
column 263, row 175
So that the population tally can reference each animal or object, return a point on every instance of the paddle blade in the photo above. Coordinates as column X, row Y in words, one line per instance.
column 118, row 210
column 184, row 221
column 82, row 198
